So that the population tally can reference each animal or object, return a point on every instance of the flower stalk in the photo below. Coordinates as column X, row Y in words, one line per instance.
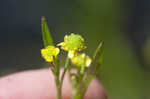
column 58, row 86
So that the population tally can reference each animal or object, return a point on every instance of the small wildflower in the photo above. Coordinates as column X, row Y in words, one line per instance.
column 49, row 53
column 81, row 59
column 72, row 44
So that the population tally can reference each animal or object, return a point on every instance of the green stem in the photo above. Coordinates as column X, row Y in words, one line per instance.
column 67, row 63
column 76, row 86
column 57, row 80
column 76, row 94
column 58, row 86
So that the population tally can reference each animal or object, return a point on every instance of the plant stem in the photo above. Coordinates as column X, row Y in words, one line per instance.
column 58, row 86
column 67, row 63
column 76, row 91
column 57, row 80
column 78, row 86
column 76, row 94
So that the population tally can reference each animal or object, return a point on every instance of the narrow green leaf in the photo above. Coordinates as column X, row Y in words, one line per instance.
column 93, row 69
column 98, row 55
column 47, row 38
column 97, row 59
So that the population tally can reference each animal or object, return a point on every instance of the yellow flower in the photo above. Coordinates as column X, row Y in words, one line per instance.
column 49, row 53
column 81, row 59
column 72, row 44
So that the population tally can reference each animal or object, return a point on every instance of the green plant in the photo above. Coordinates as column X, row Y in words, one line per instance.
column 85, row 67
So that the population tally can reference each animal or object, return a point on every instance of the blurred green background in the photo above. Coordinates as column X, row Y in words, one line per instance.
column 122, row 24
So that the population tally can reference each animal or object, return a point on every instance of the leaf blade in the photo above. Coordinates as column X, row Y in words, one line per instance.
column 97, row 60
column 98, row 56
column 93, row 69
column 46, row 35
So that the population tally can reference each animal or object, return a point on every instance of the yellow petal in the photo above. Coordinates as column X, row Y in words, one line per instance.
column 65, row 38
column 43, row 52
column 61, row 44
column 71, row 54
column 57, row 51
column 88, row 62
column 83, row 55
column 49, row 59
